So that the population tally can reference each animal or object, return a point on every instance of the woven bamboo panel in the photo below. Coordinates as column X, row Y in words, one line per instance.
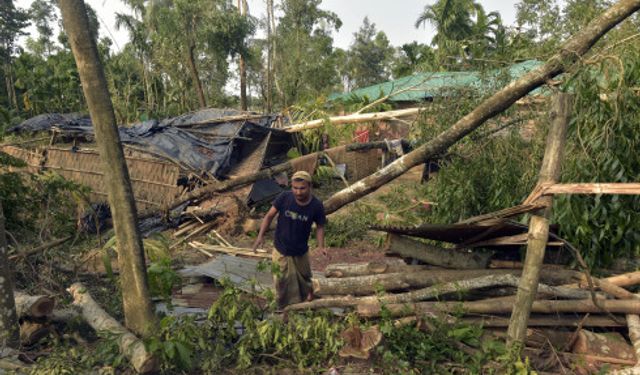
column 153, row 182
column 33, row 159
column 252, row 163
column 360, row 164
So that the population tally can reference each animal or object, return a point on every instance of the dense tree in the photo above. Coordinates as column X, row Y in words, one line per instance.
column 43, row 15
column 412, row 57
column 304, row 61
column 12, row 23
column 463, row 30
column 369, row 56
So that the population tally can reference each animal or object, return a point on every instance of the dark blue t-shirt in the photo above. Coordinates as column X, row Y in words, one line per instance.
column 294, row 223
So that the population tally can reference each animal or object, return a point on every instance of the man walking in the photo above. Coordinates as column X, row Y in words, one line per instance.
column 297, row 210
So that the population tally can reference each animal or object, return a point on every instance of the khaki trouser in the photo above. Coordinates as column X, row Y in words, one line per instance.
column 293, row 280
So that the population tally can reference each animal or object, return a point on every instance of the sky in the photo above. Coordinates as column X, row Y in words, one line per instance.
column 395, row 17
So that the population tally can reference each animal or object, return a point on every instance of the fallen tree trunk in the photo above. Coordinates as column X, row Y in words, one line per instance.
column 352, row 119
column 493, row 307
column 370, row 284
column 389, row 265
column 439, row 290
column 407, row 247
column 132, row 347
column 33, row 306
column 555, row 321
column 270, row 172
column 569, row 53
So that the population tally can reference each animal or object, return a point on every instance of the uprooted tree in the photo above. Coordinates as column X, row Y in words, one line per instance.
column 138, row 311
column 570, row 52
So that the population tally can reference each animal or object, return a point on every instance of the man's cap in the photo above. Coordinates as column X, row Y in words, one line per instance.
column 301, row 175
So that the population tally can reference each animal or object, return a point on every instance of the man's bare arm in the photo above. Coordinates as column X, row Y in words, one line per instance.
column 266, row 222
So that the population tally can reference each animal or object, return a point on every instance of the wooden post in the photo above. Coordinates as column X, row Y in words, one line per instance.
column 539, row 223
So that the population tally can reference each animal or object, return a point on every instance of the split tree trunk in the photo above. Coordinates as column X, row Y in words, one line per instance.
column 138, row 311
column 9, row 328
column 539, row 223
column 407, row 247
column 132, row 347
column 570, row 52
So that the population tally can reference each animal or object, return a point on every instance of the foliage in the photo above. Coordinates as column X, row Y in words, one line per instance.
column 603, row 131
column 305, row 60
column 427, row 346
column 369, row 56
column 344, row 228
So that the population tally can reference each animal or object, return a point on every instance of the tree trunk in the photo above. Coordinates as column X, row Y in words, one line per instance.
column 11, row 87
column 493, row 307
column 138, row 310
column 556, row 321
column 9, row 328
column 365, row 285
column 437, row 290
column 33, row 306
column 98, row 319
column 193, row 68
column 387, row 265
column 270, row 30
column 242, row 7
column 539, row 223
column 407, row 247
column 570, row 52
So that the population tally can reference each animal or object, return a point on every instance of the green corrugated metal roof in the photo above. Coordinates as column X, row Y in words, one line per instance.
column 423, row 86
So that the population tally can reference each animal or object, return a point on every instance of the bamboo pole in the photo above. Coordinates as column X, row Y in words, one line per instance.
column 353, row 118
column 539, row 223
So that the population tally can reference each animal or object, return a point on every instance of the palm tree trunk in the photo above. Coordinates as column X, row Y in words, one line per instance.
column 9, row 328
column 138, row 311
column 568, row 54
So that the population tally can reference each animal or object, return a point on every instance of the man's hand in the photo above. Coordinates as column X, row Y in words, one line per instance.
column 258, row 244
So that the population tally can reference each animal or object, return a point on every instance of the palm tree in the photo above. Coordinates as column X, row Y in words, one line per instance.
column 460, row 24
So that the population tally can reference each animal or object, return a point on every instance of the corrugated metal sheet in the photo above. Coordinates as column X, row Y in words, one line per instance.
column 428, row 85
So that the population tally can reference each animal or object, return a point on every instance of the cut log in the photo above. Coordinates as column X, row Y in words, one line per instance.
column 407, row 247
column 493, row 307
column 568, row 53
column 609, row 344
column 33, row 306
column 387, row 265
column 32, row 332
column 458, row 286
column 132, row 347
column 358, row 343
column 365, row 285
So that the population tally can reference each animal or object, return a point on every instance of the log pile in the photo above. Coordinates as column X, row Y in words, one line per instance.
column 564, row 305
